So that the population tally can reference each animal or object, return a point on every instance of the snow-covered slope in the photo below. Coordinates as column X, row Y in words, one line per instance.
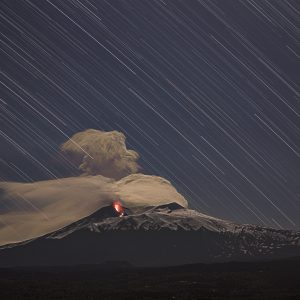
column 161, row 235
column 247, row 239
column 171, row 217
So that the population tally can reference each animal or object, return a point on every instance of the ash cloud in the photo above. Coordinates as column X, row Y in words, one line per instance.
column 96, row 152
column 30, row 210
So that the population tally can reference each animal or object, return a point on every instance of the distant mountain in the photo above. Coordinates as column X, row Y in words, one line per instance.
column 154, row 236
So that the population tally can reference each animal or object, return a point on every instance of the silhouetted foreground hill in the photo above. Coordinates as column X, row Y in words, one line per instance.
column 120, row 280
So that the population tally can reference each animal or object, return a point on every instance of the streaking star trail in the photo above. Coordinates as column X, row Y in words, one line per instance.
column 206, row 91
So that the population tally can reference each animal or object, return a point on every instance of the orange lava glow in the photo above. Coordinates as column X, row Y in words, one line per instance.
column 118, row 207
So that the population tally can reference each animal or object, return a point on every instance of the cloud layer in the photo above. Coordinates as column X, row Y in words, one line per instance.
column 96, row 152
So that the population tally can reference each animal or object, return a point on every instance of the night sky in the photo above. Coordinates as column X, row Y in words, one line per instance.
column 207, row 92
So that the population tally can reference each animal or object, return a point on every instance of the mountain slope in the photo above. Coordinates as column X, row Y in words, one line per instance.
column 162, row 235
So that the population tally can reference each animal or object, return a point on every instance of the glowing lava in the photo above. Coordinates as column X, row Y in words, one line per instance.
column 118, row 208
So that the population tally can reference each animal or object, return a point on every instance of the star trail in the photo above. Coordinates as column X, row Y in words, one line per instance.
column 207, row 92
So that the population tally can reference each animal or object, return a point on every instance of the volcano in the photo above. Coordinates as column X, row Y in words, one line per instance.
column 151, row 236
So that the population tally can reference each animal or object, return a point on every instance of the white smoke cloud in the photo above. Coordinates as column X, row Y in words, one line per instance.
column 96, row 152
